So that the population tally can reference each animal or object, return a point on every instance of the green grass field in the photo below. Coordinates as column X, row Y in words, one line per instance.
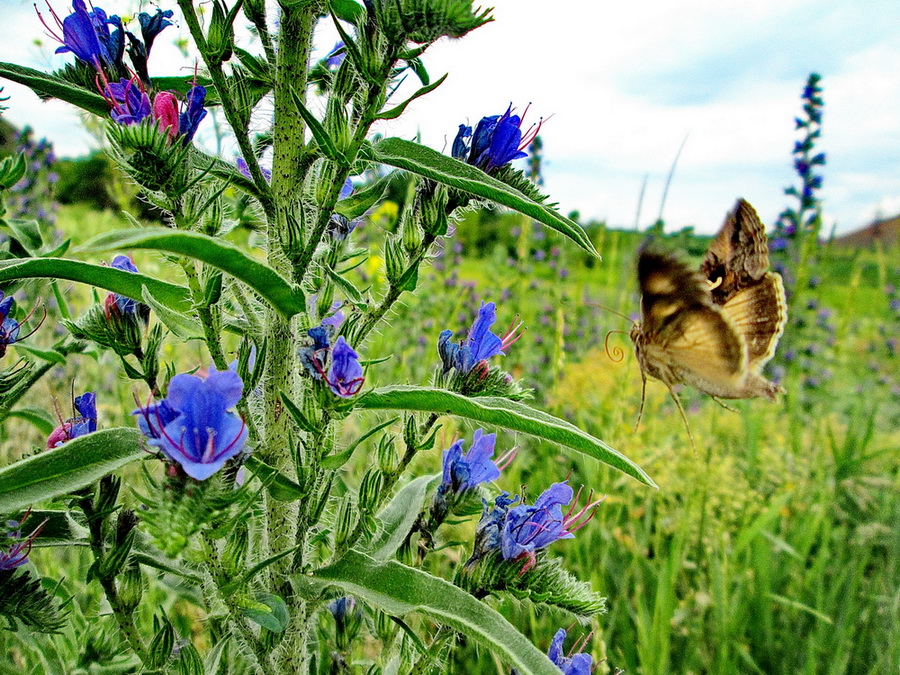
column 773, row 547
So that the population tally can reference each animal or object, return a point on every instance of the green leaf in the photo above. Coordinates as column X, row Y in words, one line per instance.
column 351, row 292
column 281, row 487
column 325, row 141
column 144, row 552
column 50, row 355
column 429, row 163
column 183, row 83
column 27, row 233
column 393, row 113
column 44, row 84
column 358, row 203
column 284, row 297
column 234, row 585
column 399, row 590
column 109, row 278
column 298, row 415
column 180, row 324
column 69, row 467
column 399, row 516
column 269, row 611
column 337, row 460
column 61, row 529
column 502, row 413
column 40, row 418
column 346, row 10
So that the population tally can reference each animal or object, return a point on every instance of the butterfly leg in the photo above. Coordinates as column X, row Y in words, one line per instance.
column 643, row 396
column 723, row 404
column 683, row 417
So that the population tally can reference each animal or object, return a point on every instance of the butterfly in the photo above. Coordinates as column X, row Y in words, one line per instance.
column 716, row 327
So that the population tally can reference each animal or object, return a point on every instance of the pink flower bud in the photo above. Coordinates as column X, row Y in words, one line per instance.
column 165, row 111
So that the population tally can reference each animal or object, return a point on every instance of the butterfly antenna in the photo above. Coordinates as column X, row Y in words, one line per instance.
column 684, row 419
column 617, row 354
column 611, row 311
column 643, row 397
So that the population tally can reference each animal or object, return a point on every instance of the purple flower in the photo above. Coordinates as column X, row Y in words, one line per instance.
column 481, row 344
column 192, row 425
column 128, row 101
column 337, row 55
column 9, row 328
column 245, row 170
column 496, row 141
column 17, row 554
column 81, row 33
column 345, row 376
column 464, row 472
column 487, row 532
column 85, row 423
column 529, row 528
column 576, row 664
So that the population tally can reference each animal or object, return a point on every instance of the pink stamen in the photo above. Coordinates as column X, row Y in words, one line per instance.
column 55, row 18
column 505, row 460
column 510, row 338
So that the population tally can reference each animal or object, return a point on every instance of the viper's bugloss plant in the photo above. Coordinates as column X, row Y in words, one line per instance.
column 287, row 494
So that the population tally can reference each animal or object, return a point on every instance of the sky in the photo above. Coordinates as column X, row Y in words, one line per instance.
column 621, row 86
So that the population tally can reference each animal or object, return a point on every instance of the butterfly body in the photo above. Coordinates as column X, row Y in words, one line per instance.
column 714, row 328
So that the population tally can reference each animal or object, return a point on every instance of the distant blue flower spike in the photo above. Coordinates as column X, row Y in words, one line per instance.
column 194, row 427
column 151, row 26
column 465, row 472
column 577, row 664
column 345, row 376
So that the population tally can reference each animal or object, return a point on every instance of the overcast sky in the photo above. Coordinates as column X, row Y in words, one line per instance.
column 624, row 83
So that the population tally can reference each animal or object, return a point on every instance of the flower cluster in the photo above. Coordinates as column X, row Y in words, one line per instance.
column 32, row 196
column 496, row 141
column 192, row 425
column 130, row 104
column 85, row 422
column 338, row 366
column 87, row 35
column 520, row 531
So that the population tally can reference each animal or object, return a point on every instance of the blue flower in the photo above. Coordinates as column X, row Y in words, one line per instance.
column 345, row 376
column 530, row 528
column 577, row 664
column 193, row 114
column 192, row 425
column 496, row 141
column 464, row 472
column 85, row 423
column 9, row 328
column 121, row 305
column 480, row 345
column 487, row 532
column 81, row 34
column 151, row 26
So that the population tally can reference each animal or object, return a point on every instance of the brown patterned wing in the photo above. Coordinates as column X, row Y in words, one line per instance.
column 758, row 314
column 683, row 336
column 738, row 256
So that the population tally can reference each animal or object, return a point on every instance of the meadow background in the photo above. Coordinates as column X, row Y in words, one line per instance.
column 773, row 547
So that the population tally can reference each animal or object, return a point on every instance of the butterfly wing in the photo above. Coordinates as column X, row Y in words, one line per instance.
column 683, row 336
column 738, row 256
column 758, row 314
